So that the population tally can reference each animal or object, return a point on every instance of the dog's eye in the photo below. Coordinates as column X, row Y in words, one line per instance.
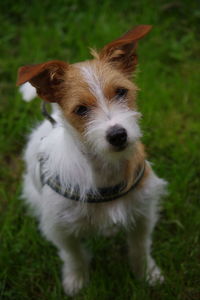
column 81, row 110
column 121, row 92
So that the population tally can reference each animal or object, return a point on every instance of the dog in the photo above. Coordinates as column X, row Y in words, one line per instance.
column 86, row 168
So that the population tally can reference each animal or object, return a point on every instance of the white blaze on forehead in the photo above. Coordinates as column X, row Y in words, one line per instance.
column 95, row 82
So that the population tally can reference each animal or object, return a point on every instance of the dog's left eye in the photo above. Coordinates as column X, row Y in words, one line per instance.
column 121, row 92
column 81, row 110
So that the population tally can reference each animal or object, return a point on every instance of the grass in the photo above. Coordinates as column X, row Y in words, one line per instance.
column 169, row 100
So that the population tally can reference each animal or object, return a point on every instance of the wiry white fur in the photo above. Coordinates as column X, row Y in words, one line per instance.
column 64, row 221
column 96, row 84
column 28, row 92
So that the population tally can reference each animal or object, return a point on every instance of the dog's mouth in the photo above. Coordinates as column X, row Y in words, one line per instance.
column 119, row 148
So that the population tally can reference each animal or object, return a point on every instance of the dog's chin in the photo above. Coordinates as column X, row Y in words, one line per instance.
column 120, row 152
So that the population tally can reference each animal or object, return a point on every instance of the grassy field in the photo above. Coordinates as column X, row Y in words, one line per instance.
column 168, row 76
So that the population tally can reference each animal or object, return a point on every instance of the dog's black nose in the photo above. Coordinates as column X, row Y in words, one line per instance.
column 117, row 136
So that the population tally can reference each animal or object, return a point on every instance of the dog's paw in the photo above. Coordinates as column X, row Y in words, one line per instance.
column 74, row 281
column 154, row 275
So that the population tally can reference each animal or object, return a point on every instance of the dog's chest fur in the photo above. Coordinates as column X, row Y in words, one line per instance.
column 77, row 216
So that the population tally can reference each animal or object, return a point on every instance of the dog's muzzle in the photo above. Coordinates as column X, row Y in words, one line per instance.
column 117, row 137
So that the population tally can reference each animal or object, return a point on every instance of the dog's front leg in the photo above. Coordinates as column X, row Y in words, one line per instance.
column 75, row 259
column 142, row 263
column 75, row 267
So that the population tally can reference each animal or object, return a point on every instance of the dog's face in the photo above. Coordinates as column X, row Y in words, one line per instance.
column 97, row 97
column 102, row 107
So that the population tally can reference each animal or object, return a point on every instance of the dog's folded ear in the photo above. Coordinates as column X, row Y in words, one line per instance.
column 47, row 78
column 121, row 53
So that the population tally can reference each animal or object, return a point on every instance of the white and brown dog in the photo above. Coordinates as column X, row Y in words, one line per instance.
column 86, row 167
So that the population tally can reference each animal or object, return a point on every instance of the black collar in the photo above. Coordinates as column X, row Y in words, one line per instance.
column 102, row 195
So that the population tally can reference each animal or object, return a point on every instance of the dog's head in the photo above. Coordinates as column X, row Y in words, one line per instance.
column 97, row 97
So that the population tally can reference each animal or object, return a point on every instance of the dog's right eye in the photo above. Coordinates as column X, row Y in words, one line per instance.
column 121, row 92
column 81, row 110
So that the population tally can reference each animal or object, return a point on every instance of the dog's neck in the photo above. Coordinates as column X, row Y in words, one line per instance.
column 108, row 172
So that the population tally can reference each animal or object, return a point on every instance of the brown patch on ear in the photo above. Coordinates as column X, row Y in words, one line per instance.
column 47, row 78
column 121, row 53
